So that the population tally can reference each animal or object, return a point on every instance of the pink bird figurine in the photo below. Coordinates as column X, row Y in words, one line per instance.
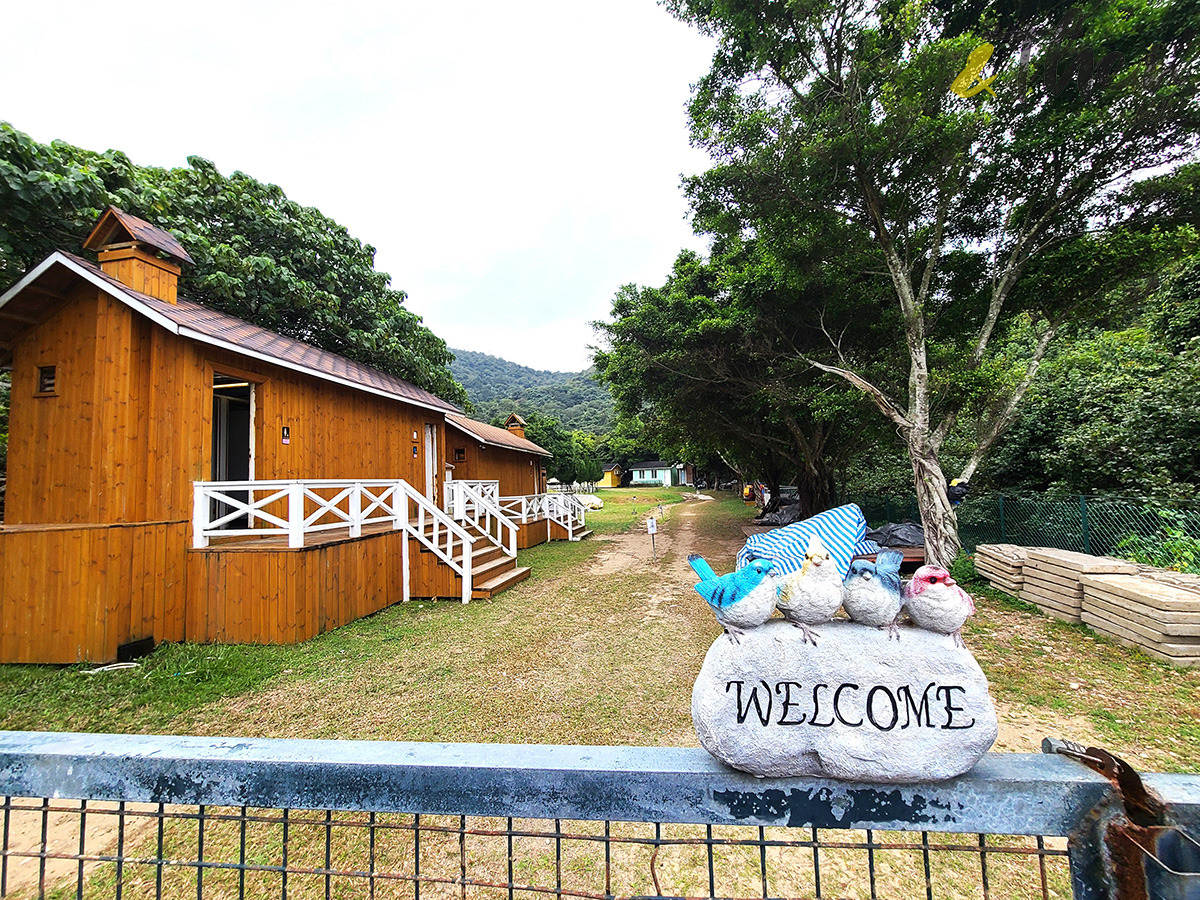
column 935, row 602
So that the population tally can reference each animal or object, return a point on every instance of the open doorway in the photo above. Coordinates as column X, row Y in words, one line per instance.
column 431, row 462
column 232, row 438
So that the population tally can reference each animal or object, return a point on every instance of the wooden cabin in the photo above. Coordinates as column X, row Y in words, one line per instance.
column 511, row 469
column 483, row 452
column 176, row 473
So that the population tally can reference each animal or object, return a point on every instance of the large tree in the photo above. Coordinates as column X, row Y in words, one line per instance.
column 714, row 361
column 258, row 254
column 992, row 203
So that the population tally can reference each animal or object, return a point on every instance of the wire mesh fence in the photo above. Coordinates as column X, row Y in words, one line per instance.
column 1162, row 533
column 57, row 848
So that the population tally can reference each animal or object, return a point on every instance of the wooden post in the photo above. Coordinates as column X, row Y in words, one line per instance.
column 399, row 519
column 402, row 523
column 199, row 516
column 295, row 514
column 356, row 510
column 466, row 571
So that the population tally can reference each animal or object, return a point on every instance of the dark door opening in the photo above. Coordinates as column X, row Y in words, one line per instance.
column 232, row 440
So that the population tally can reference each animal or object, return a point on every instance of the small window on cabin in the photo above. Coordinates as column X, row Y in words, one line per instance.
column 47, row 380
column 460, row 454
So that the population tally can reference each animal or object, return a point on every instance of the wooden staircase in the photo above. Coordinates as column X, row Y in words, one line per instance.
column 491, row 570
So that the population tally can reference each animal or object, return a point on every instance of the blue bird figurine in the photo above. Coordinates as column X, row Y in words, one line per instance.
column 742, row 599
column 871, row 592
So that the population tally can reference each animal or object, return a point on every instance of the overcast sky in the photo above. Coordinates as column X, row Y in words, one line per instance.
column 513, row 163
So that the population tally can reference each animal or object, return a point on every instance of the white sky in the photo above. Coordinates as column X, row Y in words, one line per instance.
column 513, row 163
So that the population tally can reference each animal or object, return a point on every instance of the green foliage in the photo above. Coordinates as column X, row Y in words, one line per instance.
column 713, row 364
column 574, row 452
column 965, row 220
column 498, row 388
column 1170, row 547
column 1114, row 412
column 258, row 254
column 964, row 572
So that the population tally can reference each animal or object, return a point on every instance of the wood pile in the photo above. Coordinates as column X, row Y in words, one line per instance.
column 1157, row 613
column 1155, row 610
column 1052, row 579
column 1001, row 565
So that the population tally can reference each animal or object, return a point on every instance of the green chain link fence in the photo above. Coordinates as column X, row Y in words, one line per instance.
column 1162, row 533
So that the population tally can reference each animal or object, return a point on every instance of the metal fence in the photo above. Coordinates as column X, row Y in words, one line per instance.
column 141, row 816
column 1159, row 532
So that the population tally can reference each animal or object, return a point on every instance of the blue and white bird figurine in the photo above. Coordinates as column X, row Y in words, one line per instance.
column 742, row 599
column 871, row 592
column 813, row 593
column 935, row 602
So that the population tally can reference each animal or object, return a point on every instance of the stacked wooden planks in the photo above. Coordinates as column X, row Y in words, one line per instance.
column 1001, row 564
column 1154, row 612
column 1052, row 579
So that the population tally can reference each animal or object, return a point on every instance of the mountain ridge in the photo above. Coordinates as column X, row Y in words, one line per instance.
column 498, row 387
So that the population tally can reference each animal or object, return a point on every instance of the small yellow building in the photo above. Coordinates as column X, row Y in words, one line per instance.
column 612, row 476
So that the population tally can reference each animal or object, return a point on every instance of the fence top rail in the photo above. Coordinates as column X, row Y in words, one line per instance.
column 1003, row 794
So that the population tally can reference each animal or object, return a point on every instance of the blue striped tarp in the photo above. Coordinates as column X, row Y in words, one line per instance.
column 842, row 529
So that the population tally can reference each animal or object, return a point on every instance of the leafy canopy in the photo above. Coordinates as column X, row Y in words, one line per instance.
column 259, row 255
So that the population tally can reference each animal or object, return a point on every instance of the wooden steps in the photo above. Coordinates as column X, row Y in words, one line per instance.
column 500, row 581
column 492, row 571
column 582, row 535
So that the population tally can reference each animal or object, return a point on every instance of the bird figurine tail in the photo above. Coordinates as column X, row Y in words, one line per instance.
column 702, row 569
column 889, row 561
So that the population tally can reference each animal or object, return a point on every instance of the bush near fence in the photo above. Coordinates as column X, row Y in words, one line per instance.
column 1164, row 533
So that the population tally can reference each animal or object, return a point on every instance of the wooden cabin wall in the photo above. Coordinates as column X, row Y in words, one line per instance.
column 288, row 596
column 130, row 428
column 77, row 593
column 50, row 451
column 512, row 468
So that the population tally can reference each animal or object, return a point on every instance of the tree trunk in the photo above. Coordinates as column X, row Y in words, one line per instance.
column 937, row 515
column 815, row 490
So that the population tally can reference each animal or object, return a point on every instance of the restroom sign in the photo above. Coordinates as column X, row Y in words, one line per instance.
column 287, row 434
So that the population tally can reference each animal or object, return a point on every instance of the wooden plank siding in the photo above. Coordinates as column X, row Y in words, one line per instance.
column 532, row 533
column 94, row 592
column 518, row 472
column 95, row 549
column 91, row 588
column 130, row 425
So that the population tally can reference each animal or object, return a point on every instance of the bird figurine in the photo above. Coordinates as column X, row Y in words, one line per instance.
column 811, row 595
column 935, row 602
column 871, row 591
column 742, row 599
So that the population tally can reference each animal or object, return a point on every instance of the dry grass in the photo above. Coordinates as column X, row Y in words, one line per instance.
column 601, row 646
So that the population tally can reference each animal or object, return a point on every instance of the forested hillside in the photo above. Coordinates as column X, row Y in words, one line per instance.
column 498, row 387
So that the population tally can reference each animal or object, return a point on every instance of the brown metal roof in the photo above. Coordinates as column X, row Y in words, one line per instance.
column 490, row 434
column 112, row 221
column 199, row 322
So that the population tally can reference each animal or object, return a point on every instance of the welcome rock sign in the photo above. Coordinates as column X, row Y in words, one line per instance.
column 857, row 706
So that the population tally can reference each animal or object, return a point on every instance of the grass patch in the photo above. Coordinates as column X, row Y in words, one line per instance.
column 1141, row 708
column 624, row 507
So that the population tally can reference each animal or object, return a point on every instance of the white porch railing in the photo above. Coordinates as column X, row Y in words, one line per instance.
column 489, row 489
column 477, row 502
column 562, row 509
column 299, row 508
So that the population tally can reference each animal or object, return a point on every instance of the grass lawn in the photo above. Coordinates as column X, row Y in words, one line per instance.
column 600, row 645
column 625, row 506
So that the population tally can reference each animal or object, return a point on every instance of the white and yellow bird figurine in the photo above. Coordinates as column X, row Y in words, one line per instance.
column 812, row 594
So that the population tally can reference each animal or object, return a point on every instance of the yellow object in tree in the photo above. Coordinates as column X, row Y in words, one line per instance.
column 964, row 85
